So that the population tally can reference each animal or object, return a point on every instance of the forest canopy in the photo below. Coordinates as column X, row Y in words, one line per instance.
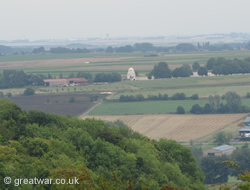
column 111, row 155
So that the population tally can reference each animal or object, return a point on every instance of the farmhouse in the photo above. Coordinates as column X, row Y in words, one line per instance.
column 247, row 121
column 219, row 150
column 65, row 82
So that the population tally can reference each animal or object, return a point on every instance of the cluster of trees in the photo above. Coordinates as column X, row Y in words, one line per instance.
column 107, row 77
column 227, row 66
column 216, row 105
column 140, row 97
column 161, row 70
column 68, row 50
column 138, row 47
column 18, row 79
column 99, row 77
column 216, row 171
column 101, row 156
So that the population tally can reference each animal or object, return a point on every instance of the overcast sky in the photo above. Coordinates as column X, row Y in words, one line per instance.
column 66, row 19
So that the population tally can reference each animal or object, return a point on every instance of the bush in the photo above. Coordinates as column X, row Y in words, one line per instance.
column 29, row 92
column 202, row 71
column 179, row 96
column 180, row 110
column 194, row 97
column 196, row 109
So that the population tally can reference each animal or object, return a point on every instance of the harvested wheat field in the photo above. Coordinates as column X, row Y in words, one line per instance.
column 181, row 128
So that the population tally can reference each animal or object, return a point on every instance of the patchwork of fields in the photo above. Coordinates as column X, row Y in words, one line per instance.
column 181, row 128
column 103, row 62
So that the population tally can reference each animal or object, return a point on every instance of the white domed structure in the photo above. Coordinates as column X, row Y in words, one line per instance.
column 131, row 74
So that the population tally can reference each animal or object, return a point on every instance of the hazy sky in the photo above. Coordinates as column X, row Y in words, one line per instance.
column 61, row 19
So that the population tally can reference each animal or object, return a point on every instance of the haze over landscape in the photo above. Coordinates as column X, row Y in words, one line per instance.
column 124, row 94
column 61, row 19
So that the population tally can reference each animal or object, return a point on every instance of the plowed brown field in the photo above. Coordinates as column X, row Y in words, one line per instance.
column 182, row 128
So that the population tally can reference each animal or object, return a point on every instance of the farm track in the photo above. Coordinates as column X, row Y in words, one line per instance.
column 182, row 128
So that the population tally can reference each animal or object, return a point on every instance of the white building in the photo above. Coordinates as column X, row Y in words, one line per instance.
column 131, row 74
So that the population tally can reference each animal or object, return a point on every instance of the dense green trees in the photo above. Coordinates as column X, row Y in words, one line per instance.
column 107, row 77
column 29, row 91
column 185, row 47
column 67, row 50
column 215, row 171
column 112, row 156
column 202, row 71
column 17, row 79
column 226, row 66
column 180, row 110
column 161, row 70
column 183, row 71
column 195, row 66
column 215, row 105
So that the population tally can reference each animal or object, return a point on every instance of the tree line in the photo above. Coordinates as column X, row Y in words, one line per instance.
column 216, row 105
column 161, row 70
column 18, row 79
column 102, row 155
column 140, row 97
column 222, row 66
column 137, row 47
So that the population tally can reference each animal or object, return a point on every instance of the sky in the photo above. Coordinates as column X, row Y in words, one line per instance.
column 70, row 19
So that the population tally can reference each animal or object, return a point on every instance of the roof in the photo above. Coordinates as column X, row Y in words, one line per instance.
column 244, row 130
column 247, row 120
column 223, row 147
column 55, row 80
column 78, row 79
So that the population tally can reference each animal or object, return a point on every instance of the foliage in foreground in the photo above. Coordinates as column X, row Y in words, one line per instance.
column 101, row 156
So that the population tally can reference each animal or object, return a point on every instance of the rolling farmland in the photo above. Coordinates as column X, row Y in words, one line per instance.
column 181, row 128
column 103, row 62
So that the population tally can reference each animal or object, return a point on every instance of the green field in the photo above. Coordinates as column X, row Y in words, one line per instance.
column 203, row 86
column 141, row 63
column 149, row 107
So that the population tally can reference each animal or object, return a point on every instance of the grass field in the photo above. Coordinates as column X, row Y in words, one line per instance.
column 181, row 128
column 203, row 86
column 149, row 107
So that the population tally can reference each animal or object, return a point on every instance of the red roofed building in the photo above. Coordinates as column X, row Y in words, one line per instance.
column 65, row 82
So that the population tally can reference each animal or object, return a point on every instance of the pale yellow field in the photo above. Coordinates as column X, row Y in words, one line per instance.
column 181, row 128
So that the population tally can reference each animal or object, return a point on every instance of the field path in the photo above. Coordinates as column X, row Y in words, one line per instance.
column 181, row 128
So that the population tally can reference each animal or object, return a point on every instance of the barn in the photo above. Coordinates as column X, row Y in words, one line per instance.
column 55, row 82
column 219, row 150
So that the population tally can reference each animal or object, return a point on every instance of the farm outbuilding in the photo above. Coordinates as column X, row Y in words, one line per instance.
column 65, row 82
column 244, row 132
column 247, row 121
column 219, row 150
column 56, row 82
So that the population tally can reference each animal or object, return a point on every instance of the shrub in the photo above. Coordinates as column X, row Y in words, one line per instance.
column 180, row 110
column 29, row 92
column 194, row 97
column 179, row 96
